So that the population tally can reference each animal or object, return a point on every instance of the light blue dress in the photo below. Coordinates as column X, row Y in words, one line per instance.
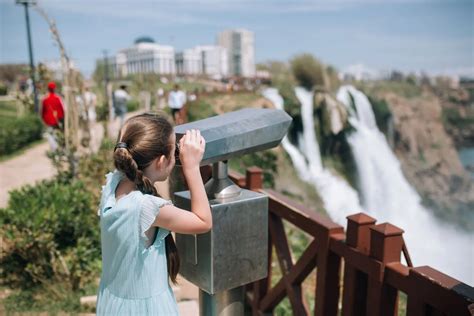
column 134, row 278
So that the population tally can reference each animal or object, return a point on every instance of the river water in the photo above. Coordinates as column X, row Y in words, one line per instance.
column 467, row 158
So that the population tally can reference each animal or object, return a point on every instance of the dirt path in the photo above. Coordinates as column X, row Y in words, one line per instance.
column 28, row 168
column 33, row 165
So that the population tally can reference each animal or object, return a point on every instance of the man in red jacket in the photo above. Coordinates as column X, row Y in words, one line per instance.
column 53, row 110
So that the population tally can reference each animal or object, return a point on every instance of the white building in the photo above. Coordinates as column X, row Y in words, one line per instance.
column 214, row 61
column 240, row 45
column 56, row 68
column 145, row 56
column 189, row 62
column 208, row 60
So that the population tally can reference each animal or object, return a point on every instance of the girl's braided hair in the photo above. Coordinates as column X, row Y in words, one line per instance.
column 143, row 138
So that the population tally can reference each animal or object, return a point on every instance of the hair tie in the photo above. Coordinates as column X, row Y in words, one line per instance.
column 120, row 145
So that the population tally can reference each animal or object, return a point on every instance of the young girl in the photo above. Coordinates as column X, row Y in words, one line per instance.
column 138, row 251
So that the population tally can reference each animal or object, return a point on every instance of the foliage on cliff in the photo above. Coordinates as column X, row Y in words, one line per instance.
column 308, row 71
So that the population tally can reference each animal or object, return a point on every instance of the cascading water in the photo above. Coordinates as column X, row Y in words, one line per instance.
column 339, row 198
column 388, row 196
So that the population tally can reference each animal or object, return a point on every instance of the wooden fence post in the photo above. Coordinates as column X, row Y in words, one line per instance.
column 327, row 275
column 386, row 243
column 355, row 282
column 254, row 178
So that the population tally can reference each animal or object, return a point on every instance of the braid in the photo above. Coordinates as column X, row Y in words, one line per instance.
column 124, row 162
column 144, row 184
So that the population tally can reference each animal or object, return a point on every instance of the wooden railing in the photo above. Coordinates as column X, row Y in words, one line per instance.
column 365, row 260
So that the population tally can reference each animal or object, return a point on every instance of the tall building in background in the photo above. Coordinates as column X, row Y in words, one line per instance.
column 207, row 60
column 240, row 46
column 189, row 62
column 214, row 61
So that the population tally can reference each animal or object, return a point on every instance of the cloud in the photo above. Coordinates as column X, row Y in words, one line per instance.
column 181, row 10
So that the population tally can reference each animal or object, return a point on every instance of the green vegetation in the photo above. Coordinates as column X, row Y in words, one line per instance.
column 401, row 88
column 308, row 71
column 51, row 243
column 52, row 239
column 102, row 111
column 8, row 109
column 382, row 113
column 199, row 109
column 452, row 116
column 266, row 160
column 133, row 105
column 3, row 89
column 16, row 133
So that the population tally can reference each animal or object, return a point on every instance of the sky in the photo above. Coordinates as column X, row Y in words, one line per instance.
column 408, row 35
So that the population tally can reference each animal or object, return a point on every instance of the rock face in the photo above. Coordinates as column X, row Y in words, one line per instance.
column 429, row 159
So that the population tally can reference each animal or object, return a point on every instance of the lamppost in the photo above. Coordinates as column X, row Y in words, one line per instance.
column 106, row 75
column 26, row 4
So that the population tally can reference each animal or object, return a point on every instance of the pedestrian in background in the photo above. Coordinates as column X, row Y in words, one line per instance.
column 90, row 100
column 121, row 98
column 160, row 99
column 52, row 113
column 176, row 101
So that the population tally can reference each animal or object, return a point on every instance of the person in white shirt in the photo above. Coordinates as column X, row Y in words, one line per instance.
column 121, row 98
column 90, row 100
column 176, row 101
column 160, row 99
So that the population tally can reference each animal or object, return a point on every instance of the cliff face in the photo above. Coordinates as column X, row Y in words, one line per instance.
column 429, row 159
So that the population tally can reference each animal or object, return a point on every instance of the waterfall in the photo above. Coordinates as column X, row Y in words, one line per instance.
column 387, row 196
column 339, row 198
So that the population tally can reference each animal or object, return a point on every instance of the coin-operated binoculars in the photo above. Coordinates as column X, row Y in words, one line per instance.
column 235, row 251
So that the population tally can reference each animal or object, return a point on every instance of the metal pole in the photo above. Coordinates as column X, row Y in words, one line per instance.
column 32, row 64
column 229, row 302
column 106, row 76
column 224, row 303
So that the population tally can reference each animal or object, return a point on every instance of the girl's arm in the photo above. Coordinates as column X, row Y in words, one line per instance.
column 199, row 220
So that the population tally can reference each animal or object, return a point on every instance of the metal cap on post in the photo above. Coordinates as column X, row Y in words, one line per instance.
column 358, row 232
column 355, row 282
column 386, row 243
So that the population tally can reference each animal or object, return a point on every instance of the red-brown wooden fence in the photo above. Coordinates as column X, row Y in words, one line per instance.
column 365, row 260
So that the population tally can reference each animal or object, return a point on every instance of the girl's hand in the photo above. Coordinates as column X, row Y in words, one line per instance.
column 191, row 149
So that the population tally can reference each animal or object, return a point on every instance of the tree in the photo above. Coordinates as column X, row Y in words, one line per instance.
column 308, row 71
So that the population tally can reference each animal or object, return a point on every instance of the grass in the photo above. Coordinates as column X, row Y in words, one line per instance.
column 36, row 300
column 401, row 88
column 452, row 116
column 21, row 151
column 8, row 109
column 223, row 103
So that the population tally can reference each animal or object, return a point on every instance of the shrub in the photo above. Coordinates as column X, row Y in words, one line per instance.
column 51, row 237
column 308, row 71
column 102, row 112
column 198, row 110
column 132, row 105
column 92, row 168
column 266, row 160
column 382, row 113
column 3, row 89
column 16, row 133
column 452, row 116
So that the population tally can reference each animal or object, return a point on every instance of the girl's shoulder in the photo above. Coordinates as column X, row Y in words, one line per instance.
column 107, row 199
column 153, row 202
